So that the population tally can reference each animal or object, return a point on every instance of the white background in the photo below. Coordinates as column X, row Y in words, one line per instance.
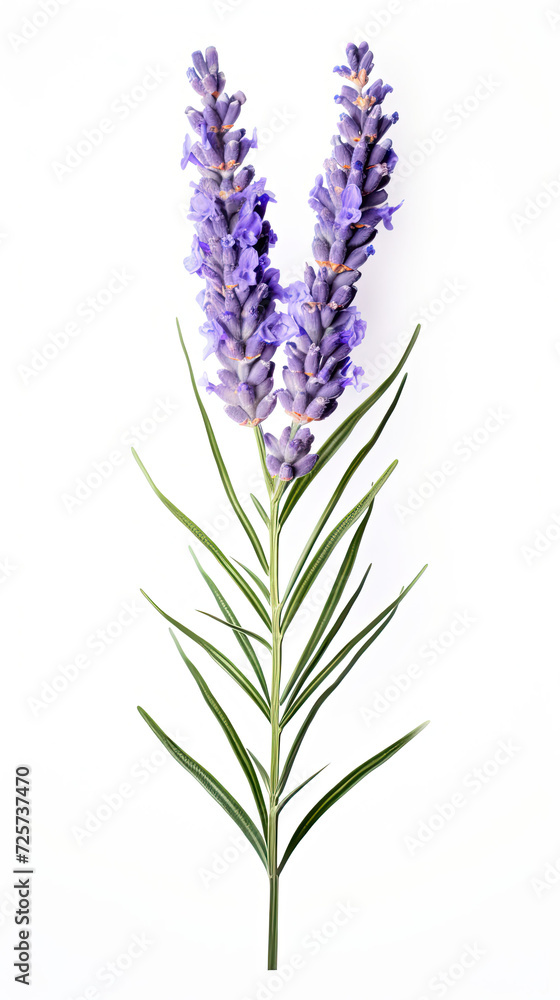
column 474, row 252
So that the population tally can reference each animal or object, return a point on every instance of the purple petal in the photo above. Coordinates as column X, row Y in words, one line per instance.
column 273, row 465
column 286, row 472
column 304, row 465
column 237, row 414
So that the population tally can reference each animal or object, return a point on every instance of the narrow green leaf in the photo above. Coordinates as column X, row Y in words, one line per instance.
column 219, row 657
column 294, row 749
column 332, row 601
column 294, row 704
column 354, row 465
column 224, row 476
column 230, row 617
column 214, row 788
column 237, row 628
column 343, row 786
column 210, row 545
column 260, row 509
column 302, row 675
column 290, row 795
column 256, row 579
column 231, row 734
column 325, row 673
column 327, row 547
column 262, row 771
column 342, row 432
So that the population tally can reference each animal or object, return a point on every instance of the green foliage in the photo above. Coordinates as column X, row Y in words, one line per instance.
column 340, row 789
column 276, row 612
column 213, row 787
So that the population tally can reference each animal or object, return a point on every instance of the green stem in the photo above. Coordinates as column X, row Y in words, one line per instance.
column 273, row 923
column 262, row 456
column 276, row 608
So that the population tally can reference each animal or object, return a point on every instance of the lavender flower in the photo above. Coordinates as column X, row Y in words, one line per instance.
column 349, row 208
column 320, row 329
column 288, row 457
column 230, row 250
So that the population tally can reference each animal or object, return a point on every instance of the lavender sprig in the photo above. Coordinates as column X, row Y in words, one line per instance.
column 321, row 328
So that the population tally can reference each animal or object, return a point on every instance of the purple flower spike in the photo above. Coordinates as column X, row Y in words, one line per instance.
column 231, row 247
column 350, row 202
column 230, row 252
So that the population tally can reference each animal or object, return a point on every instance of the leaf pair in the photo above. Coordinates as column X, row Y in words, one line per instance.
column 332, row 602
column 339, row 490
column 340, row 789
column 224, row 662
column 224, row 476
column 295, row 702
column 211, row 546
column 214, row 788
column 233, row 739
column 294, row 749
column 327, row 547
column 242, row 635
column 342, row 432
